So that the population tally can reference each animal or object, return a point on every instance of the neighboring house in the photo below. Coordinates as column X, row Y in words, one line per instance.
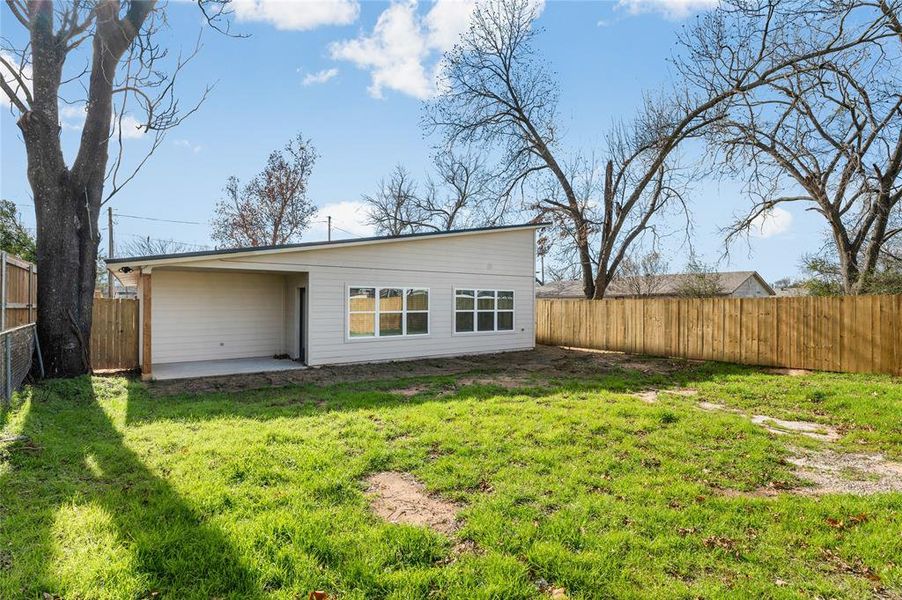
column 347, row 301
column 734, row 284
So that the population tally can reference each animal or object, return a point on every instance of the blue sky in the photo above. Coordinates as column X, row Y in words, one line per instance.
column 352, row 78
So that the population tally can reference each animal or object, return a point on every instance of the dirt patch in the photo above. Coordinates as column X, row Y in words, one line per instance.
column 411, row 391
column 817, row 431
column 400, row 498
column 519, row 368
column 840, row 473
column 648, row 396
column 508, row 382
column 789, row 372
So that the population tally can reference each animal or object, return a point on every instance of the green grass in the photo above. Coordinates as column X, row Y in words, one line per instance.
column 576, row 482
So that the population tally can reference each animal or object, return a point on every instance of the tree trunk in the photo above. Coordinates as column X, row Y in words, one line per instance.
column 67, row 255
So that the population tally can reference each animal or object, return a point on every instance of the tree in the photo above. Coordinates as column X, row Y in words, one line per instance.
column 641, row 275
column 392, row 209
column 699, row 281
column 829, row 137
column 457, row 197
column 497, row 94
column 273, row 207
column 148, row 246
column 108, row 34
column 14, row 237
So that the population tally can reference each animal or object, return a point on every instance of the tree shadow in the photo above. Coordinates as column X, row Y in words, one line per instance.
column 285, row 399
column 76, row 479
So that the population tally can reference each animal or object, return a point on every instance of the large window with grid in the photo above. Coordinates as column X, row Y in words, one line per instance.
column 483, row 310
column 383, row 312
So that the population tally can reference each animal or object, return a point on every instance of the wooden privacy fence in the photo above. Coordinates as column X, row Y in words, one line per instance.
column 18, row 291
column 114, row 334
column 851, row 333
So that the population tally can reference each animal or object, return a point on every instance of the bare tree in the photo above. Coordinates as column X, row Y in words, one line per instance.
column 699, row 281
column 148, row 246
column 273, row 207
column 641, row 274
column 497, row 94
column 827, row 136
column 393, row 209
column 456, row 197
column 126, row 71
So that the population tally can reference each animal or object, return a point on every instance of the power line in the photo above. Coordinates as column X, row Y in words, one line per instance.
column 160, row 220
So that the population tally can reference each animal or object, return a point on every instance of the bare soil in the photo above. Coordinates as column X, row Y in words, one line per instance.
column 829, row 471
column 651, row 396
column 842, row 473
column 400, row 498
column 508, row 369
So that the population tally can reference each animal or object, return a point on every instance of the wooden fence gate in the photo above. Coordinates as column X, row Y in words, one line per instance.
column 114, row 334
column 852, row 333
column 18, row 291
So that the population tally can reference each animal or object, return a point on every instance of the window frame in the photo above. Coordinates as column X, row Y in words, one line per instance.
column 376, row 312
column 475, row 311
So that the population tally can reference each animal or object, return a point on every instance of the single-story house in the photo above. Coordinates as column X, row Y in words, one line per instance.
column 733, row 284
column 322, row 303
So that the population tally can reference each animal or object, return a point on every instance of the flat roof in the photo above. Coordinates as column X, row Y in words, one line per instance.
column 309, row 245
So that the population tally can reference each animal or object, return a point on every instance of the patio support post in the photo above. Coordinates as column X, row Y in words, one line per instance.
column 146, row 312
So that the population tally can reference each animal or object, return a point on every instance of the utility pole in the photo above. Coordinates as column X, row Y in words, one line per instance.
column 109, row 274
column 329, row 228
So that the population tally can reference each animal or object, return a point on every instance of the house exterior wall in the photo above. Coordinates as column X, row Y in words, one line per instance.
column 198, row 315
column 490, row 260
column 750, row 288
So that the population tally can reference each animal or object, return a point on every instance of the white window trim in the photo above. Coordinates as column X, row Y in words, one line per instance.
column 404, row 312
column 475, row 312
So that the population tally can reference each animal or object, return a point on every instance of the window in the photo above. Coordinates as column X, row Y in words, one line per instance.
column 483, row 310
column 387, row 312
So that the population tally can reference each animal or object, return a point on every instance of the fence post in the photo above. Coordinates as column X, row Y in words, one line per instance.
column 3, row 288
column 8, row 367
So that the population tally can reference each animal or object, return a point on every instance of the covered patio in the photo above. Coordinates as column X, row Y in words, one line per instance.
column 228, row 366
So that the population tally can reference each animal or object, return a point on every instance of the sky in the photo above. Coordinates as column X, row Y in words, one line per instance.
column 352, row 76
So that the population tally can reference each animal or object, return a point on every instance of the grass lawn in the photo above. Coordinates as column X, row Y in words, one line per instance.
column 566, row 478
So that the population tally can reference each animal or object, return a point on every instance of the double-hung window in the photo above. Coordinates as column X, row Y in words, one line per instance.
column 483, row 310
column 387, row 312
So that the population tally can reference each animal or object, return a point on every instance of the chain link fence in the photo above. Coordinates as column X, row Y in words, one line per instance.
column 18, row 348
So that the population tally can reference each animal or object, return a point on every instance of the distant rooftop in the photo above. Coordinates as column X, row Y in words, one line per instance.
column 656, row 285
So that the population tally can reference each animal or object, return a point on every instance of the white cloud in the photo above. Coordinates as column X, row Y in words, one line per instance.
column 671, row 9
column 183, row 143
column 319, row 77
column 404, row 49
column 72, row 116
column 7, row 76
column 132, row 128
column 298, row 15
column 348, row 216
column 773, row 222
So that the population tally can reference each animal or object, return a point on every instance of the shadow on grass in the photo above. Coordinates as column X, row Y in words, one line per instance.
column 312, row 399
column 75, row 485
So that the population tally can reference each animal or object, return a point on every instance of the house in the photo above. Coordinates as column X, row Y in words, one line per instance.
column 734, row 284
column 323, row 303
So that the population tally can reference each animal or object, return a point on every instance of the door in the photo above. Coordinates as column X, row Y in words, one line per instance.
column 302, row 317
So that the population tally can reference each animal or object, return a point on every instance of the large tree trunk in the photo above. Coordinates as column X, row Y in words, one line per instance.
column 67, row 254
column 67, row 201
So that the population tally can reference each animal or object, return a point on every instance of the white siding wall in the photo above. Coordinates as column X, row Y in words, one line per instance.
column 750, row 288
column 490, row 260
column 209, row 316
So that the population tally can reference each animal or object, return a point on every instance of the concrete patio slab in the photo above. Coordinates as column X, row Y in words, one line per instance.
column 232, row 366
